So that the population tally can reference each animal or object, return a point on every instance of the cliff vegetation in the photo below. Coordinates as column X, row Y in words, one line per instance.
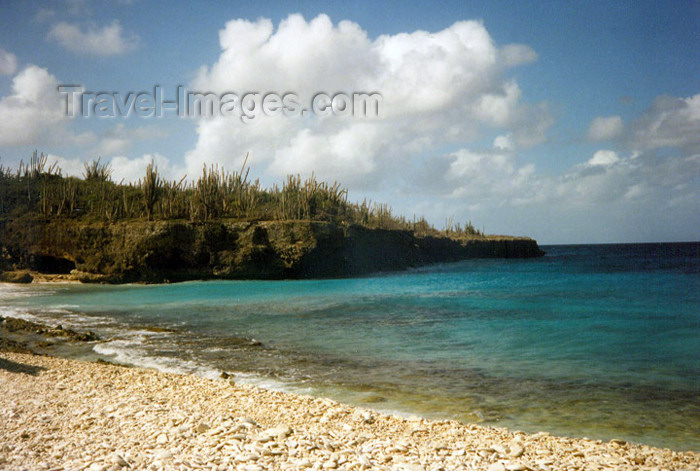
column 221, row 225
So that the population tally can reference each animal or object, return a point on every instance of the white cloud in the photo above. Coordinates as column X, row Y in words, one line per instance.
column 604, row 158
column 126, row 169
column 119, row 139
column 438, row 88
column 605, row 128
column 8, row 62
column 347, row 151
column 34, row 113
column 107, row 41
column 497, row 108
column 492, row 178
column 132, row 169
column 69, row 167
column 504, row 143
column 670, row 122
column 513, row 55
column 647, row 189
column 612, row 197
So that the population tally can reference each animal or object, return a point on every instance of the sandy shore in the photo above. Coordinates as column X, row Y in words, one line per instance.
column 69, row 415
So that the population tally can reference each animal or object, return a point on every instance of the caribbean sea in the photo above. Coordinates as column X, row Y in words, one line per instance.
column 601, row 341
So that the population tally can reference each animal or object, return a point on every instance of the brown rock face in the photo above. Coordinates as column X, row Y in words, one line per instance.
column 176, row 250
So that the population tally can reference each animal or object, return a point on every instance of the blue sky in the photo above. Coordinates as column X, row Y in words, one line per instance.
column 570, row 122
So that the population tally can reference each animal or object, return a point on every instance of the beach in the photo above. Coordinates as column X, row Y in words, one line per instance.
column 64, row 414
column 349, row 236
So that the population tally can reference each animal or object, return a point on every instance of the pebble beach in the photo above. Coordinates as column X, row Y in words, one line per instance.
column 60, row 414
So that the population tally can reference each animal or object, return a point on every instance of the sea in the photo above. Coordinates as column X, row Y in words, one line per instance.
column 597, row 341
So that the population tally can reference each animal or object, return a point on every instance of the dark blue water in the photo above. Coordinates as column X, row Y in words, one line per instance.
column 595, row 340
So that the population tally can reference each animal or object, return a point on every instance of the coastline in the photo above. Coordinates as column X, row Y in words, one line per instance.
column 67, row 414
column 171, row 251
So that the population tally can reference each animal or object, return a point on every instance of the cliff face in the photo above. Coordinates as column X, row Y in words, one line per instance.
column 176, row 251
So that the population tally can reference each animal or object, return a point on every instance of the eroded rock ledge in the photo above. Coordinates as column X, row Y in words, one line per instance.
column 163, row 251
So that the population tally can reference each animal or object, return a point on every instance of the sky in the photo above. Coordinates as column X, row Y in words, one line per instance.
column 570, row 122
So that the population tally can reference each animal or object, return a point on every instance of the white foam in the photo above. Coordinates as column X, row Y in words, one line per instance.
column 10, row 291
column 215, row 349
column 19, row 313
column 126, row 346
column 14, row 291
column 55, row 317
column 127, row 352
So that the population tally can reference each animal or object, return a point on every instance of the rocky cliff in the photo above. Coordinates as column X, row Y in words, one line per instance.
column 176, row 250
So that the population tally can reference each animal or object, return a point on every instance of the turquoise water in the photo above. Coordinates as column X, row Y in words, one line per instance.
column 597, row 341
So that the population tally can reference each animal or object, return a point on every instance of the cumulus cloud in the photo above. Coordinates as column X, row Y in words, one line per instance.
column 438, row 88
column 517, row 54
column 604, row 157
column 34, row 112
column 635, row 196
column 607, row 177
column 493, row 177
column 8, row 62
column 120, row 138
column 73, row 167
column 132, row 169
column 106, row 41
column 646, row 189
column 126, row 169
column 504, row 143
column 670, row 122
column 605, row 128
column 647, row 178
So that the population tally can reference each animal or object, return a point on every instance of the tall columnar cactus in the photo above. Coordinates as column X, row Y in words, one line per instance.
column 151, row 186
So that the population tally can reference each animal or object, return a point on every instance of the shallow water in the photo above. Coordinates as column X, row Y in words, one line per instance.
column 598, row 341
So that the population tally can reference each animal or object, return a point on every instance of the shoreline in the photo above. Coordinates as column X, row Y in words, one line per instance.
column 68, row 414
column 45, row 338
column 178, row 250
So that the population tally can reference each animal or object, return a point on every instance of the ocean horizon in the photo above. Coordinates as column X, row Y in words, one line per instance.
column 590, row 340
